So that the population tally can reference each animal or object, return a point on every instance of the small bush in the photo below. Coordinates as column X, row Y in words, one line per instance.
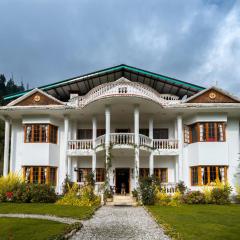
column 162, row 198
column 181, row 187
column 147, row 190
column 221, row 194
column 193, row 197
column 83, row 196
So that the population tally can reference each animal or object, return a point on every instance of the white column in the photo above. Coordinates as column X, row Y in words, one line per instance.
column 107, row 142
column 94, row 136
column 66, row 134
column 136, row 134
column 180, row 146
column 74, row 167
column 107, row 125
column 69, row 167
column 6, row 146
column 151, row 158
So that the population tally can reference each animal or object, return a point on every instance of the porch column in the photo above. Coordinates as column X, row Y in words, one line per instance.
column 136, row 138
column 6, row 146
column 180, row 147
column 74, row 172
column 69, row 167
column 151, row 158
column 94, row 136
column 66, row 133
column 107, row 143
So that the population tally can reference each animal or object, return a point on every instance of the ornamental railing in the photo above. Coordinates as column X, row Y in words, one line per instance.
column 165, row 144
column 123, row 87
column 124, row 139
column 84, row 144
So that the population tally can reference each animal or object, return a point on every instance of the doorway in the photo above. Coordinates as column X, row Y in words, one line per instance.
column 122, row 178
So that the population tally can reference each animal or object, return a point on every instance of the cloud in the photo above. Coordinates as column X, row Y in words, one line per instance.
column 46, row 41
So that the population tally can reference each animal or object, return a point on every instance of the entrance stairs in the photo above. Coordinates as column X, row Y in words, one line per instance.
column 122, row 200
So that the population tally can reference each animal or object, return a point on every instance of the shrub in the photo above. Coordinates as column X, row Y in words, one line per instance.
column 66, row 184
column 162, row 198
column 181, row 187
column 194, row 197
column 135, row 193
column 221, row 194
column 8, row 184
column 237, row 193
column 147, row 190
column 83, row 196
column 207, row 191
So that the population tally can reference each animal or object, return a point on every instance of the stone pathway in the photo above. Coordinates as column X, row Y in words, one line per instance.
column 45, row 217
column 120, row 223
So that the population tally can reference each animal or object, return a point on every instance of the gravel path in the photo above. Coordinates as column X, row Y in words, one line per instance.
column 46, row 217
column 120, row 223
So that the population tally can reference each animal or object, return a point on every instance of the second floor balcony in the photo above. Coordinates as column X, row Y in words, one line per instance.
column 123, row 140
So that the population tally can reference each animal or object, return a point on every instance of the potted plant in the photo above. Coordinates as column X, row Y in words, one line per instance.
column 108, row 195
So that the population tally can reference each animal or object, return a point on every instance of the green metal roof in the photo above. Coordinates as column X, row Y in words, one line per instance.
column 107, row 70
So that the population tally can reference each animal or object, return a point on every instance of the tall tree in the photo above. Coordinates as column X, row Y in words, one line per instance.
column 6, row 87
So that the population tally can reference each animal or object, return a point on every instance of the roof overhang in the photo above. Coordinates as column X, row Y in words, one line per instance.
column 83, row 84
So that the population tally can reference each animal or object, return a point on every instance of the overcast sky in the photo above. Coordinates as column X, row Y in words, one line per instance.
column 44, row 41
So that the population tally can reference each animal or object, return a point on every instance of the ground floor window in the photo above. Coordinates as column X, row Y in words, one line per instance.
column 160, row 173
column 40, row 174
column 204, row 175
column 83, row 172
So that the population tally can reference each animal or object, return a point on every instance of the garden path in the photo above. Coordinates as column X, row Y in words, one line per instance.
column 45, row 217
column 120, row 223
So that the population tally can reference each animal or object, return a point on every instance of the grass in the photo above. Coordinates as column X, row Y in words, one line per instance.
column 21, row 229
column 48, row 209
column 208, row 222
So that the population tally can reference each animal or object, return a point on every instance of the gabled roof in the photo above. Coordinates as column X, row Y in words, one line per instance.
column 35, row 91
column 82, row 84
column 225, row 97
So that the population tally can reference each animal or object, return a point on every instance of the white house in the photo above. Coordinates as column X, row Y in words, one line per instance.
column 127, row 120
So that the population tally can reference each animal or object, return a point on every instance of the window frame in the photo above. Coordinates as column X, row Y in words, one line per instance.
column 204, row 174
column 205, row 132
column 37, row 130
column 38, row 171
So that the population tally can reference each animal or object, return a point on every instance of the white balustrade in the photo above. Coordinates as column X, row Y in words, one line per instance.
column 169, row 188
column 165, row 144
column 80, row 144
column 100, row 140
column 123, row 87
column 122, row 138
column 145, row 140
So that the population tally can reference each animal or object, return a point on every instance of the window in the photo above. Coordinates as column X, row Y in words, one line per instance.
column 144, row 172
column 82, row 173
column 100, row 174
column 40, row 175
column 160, row 133
column 194, row 176
column 100, row 132
column 40, row 133
column 144, row 131
column 84, row 134
column 161, row 174
column 205, row 132
column 204, row 175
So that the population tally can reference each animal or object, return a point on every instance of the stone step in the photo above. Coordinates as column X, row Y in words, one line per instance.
column 119, row 200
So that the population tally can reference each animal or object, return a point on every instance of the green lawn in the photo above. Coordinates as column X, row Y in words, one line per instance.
column 22, row 229
column 47, row 208
column 208, row 222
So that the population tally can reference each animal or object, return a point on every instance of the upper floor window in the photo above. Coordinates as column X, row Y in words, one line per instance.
column 160, row 133
column 205, row 132
column 40, row 133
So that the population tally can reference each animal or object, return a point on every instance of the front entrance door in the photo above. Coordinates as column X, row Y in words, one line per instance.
column 122, row 179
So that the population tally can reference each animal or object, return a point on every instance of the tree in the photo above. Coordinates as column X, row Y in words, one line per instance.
column 6, row 87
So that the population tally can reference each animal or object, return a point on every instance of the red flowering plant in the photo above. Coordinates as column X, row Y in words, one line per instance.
column 9, row 196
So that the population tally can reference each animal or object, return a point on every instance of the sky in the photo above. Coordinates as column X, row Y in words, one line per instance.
column 45, row 41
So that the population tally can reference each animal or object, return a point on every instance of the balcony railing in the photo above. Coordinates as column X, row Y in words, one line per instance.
column 124, row 139
column 80, row 144
column 165, row 144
